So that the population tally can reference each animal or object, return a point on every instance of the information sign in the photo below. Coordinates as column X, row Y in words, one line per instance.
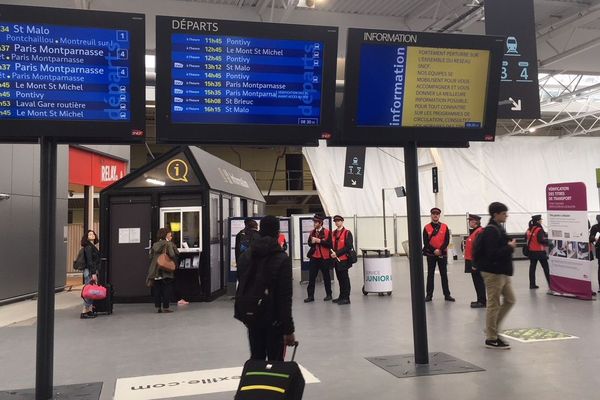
column 432, row 88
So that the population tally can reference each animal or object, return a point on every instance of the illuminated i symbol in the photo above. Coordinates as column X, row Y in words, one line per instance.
column 177, row 169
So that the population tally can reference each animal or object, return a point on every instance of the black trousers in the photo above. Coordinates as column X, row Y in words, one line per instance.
column 163, row 291
column 316, row 265
column 266, row 343
column 479, row 286
column 442, row 263
column 341, row 271
column 545, row 267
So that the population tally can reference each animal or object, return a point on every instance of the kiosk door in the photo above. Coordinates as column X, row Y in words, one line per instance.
column 128, row 253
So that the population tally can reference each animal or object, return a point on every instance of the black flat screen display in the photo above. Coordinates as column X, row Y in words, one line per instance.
column 76, row 75
column 243, row 82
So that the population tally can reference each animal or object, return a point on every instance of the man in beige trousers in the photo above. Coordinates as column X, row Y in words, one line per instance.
column 494, row 260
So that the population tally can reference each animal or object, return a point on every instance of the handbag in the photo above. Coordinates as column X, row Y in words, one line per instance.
column 93, row 291
column 165, row 262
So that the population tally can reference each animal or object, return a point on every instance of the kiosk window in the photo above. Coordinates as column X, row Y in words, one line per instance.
column 215, row 211
column 185, row 225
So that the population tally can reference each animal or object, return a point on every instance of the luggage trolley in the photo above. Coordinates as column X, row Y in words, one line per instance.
column 377, row 271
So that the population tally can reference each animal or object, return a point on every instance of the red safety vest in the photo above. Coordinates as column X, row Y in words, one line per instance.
column 438, row 240
column 320, row 251
column 339, row 242
column 471, row 242
column 281, row 240
column 534, row 244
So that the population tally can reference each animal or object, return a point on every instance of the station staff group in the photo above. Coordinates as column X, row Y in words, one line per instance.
column 329, row 249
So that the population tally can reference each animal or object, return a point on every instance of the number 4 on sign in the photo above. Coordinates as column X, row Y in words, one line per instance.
column 516, row 104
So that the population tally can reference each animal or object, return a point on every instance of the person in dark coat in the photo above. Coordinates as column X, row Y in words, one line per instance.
column 92, row 267
column 319, row 254
column 475, row 230
column 436, row 238
column 275, row 329
column 245, row 237
column 342, row 243
column 160, row 280
column 537, row 242
column 595, row 244
column 496, row 266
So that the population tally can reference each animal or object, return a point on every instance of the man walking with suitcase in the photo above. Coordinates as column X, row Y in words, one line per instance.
column 264, row 296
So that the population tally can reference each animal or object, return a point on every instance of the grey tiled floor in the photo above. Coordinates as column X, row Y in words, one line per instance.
column 334, row 341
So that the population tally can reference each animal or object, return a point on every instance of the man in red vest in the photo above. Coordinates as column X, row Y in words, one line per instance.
column 342, row 245
column 319, row 241
column 474, row 230
column 537, row 240
column 436, row 237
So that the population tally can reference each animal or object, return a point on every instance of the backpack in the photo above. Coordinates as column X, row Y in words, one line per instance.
column 245, row 241
column 253, row 295
column 479, row 248
column 79, row 263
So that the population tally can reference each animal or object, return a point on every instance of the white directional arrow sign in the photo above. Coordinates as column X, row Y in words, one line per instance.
column 353, row 182
column 516, row 104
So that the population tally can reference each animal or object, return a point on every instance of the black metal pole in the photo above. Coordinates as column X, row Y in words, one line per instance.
column 47, row 255
column 417, row 282
column 384, row 224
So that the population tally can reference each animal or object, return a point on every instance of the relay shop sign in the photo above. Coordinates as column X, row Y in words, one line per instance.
column 60, row 70
column 91, row 169
column 519, row 90
column 571, row 269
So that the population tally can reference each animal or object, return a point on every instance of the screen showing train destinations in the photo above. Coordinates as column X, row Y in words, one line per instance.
column 64, row 71
column 242, row 80
column 233, row 74
column 423, row 86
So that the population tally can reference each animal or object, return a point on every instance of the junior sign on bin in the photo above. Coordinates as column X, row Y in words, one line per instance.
column 378, row 275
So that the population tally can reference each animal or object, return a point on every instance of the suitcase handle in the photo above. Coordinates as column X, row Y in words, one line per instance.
column 295, row 345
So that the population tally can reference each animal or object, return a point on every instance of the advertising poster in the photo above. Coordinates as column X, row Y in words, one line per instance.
column 571, row 269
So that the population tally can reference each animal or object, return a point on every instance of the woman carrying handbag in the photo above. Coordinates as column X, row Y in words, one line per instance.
column 90, row 272
column 161, row 273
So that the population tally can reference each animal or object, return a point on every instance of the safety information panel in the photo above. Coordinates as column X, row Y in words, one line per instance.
column 54, row 72
column 241, row 80
column 412, row 86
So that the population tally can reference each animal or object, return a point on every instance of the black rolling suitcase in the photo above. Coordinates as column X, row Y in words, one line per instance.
column 277, row 380
column 105, row 306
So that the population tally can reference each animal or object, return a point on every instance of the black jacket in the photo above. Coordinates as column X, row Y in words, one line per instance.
column 542, row 238
column 268, row 254
column 427, row 249
column 246, row 234
column 92, row 258
column 497, row 253
column 595, row 229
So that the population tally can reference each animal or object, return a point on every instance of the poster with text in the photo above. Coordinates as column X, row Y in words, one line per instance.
column 571, row 269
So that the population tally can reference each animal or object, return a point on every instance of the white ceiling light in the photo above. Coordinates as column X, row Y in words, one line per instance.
column 155, row 182
column 307, row 3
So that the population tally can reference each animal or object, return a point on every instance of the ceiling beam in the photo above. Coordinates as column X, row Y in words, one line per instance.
column 580, row 18
column 569, row 53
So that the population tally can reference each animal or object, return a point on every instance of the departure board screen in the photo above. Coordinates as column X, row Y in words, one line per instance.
column 238, row 80
column 63, row 72
column 403, row 86
column 253, row 82
column 71, row 74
